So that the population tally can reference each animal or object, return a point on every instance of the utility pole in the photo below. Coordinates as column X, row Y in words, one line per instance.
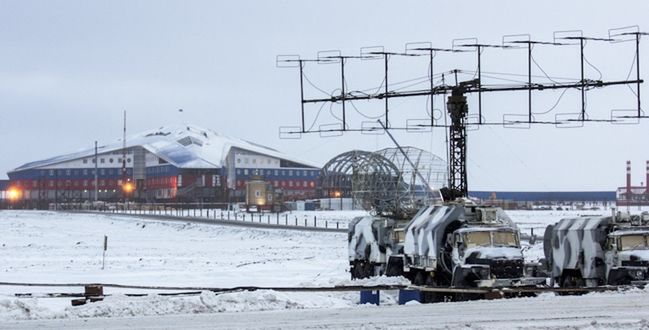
column 96, row 174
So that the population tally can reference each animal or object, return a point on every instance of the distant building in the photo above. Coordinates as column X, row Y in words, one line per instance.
column 633, row 195
column 179, row 163
column 4, row 196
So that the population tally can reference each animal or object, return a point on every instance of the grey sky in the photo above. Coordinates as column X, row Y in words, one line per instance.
column 69, row 68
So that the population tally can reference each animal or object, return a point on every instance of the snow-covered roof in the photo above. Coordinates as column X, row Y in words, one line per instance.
column 184, row 146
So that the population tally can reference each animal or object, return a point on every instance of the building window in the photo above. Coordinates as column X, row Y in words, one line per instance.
column 85, row 183
column 276, row 172
column 304, row 172
column 68, row 172
column 275, row 183
column 128, row 160
column 290, row 183
column 51, row 183
column 94, row 160
column 254, row 161
column 238, row 172
column 85, row 172
column 51, row 172
column 102, row 161
column 102, row 183
column 304, row 184
column 290, row 172
column 85, row 161
column 245, row 160
column 245, row 172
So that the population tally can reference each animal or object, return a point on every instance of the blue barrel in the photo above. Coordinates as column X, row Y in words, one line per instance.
column 370, row 297
column 409, row 295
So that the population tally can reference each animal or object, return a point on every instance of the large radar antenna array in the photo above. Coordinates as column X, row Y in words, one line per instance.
column 456, row 104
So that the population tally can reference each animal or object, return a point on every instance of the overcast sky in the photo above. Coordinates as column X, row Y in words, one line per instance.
column 69, row 68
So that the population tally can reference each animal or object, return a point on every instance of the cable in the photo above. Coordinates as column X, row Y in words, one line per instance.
column 362, row 114
column 540, row 68
column 629, row 75
column 554, row 106
column 316, row 117
column 596, row 69
column 331, row 104
column 314, row 86
column 524, row 75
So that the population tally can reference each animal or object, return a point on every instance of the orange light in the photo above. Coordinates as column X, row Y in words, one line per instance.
column 337, row 194
column 13, row 194
column 128, row 187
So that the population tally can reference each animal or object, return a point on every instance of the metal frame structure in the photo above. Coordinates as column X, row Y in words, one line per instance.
column 456, row 105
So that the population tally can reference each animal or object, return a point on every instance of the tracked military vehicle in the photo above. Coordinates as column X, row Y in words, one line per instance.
column 597, row 250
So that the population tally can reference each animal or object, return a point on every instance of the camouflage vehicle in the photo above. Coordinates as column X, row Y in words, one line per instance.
column 597, row 250
column 457, row 244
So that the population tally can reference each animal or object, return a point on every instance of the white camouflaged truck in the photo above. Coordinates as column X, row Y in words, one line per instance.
column 458, row 244
column 597, row 250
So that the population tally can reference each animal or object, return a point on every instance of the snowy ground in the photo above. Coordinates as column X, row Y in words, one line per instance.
column 67, row 248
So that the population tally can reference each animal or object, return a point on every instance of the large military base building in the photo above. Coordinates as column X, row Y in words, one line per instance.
column 169, row 164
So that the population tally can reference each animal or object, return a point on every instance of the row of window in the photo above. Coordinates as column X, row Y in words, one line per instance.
column 260, row 161
column 104, row 160
column 158, row 169
column 256, row 171
column 284, row 184
column 84, row 172
column 72, row 183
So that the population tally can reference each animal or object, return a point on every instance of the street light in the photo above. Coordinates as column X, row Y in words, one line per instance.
column 128, row 187
column 13, row 194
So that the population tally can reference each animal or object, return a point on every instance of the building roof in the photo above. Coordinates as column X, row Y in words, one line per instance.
column 184, row 146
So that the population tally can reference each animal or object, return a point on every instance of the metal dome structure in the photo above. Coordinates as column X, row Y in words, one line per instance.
column 433, row 171
column 384, row 182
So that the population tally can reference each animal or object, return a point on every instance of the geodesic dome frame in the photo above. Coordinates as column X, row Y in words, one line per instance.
column 383, row 181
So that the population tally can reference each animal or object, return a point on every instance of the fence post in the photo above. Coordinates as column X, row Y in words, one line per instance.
column 269, row 219
column 326, row 224
column 315, row 221
column 295, row 221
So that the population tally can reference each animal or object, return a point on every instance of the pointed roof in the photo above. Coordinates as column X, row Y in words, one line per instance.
column 184, row 146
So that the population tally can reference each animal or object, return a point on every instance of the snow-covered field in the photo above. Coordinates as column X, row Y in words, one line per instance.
column 50, row 247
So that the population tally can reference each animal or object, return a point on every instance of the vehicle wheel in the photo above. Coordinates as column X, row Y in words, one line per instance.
column 571, row 281
column 394, row 267
column 431, row 297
